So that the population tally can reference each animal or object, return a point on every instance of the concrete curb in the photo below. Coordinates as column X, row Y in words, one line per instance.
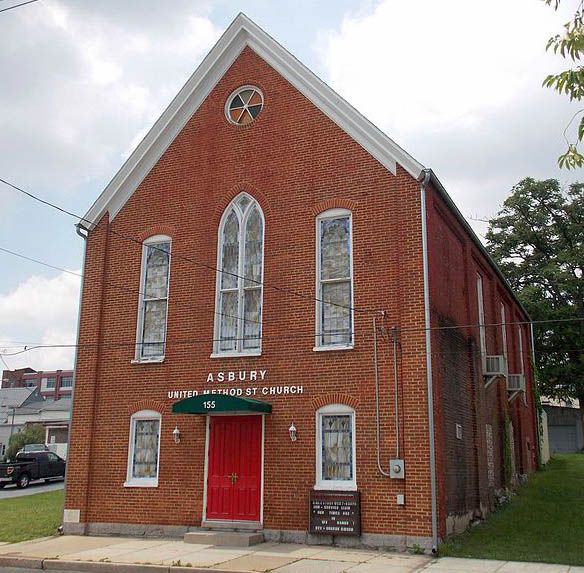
column 24, row 562
column 102, row 566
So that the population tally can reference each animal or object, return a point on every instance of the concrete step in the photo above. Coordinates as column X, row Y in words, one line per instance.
column 226, row 538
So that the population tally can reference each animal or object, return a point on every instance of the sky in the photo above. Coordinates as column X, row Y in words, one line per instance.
column 457, row 83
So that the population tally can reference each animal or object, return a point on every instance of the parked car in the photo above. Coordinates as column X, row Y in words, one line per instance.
column 31, row 466
column 34, row 448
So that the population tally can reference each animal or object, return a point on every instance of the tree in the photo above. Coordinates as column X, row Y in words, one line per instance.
column 570, row 45
column 538, row 241
column 33, row 434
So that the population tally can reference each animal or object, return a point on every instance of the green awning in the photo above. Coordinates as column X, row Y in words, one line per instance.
column 215, row 403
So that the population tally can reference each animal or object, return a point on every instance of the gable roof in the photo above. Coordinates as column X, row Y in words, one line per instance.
column 241, row 33
column 16, row 397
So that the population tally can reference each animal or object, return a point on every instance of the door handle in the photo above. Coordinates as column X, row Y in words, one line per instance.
column 233, row 478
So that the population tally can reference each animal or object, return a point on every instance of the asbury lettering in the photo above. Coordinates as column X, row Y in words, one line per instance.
column 237, row 376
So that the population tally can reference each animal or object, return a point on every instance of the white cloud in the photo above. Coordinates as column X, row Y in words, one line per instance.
column 89, row 78
column 40, row 310
column 458, row 85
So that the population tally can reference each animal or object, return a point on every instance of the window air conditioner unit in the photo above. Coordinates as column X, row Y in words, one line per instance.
column 516, row 383
column 495, row 365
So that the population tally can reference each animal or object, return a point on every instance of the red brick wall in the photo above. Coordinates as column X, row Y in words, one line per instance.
column 454, row 261
column 296, row 163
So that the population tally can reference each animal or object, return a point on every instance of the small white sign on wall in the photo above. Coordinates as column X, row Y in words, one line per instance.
column 71, row 516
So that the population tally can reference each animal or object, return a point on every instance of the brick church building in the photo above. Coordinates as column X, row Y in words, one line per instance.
column 288, row 327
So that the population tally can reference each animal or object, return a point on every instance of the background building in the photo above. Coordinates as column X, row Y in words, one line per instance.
column 52, row 384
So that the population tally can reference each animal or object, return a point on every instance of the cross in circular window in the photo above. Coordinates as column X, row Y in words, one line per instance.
column 244, row 105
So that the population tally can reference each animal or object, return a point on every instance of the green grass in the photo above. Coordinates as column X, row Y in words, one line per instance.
column 30, row 516
column 544, row 522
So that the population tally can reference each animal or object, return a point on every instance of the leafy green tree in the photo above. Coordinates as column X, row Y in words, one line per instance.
column 570, row 45
column 538, row 241
column 33, row 434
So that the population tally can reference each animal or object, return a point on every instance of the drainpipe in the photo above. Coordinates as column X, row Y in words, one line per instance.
column 424, row 180
column 79, row 230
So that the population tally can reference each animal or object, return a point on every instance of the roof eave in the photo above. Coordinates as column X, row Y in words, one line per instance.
column 242, row 32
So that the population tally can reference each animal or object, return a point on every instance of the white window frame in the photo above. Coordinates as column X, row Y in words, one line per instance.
column 242, row 219
column 142, row 482
column 138, row 358
column 481, row 315
column 319, row 345
column 521, row 355
column 504, row 330
column 67, row 387
column 344, row 485
column 44, row 386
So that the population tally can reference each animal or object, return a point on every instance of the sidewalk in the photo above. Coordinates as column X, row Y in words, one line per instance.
column 131, row 555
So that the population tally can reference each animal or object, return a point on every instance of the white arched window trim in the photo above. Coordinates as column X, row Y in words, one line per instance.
column 321, row 483
column 139, row 356
column 135, row 419
column 242, row 217
column 320, row 344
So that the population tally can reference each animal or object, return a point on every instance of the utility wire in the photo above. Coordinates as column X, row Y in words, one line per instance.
column 123, row 287
column 188, row 259
column 18, row 5
column 363, row 333
column 292, row 337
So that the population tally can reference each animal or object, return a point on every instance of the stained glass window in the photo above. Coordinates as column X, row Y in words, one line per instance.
column 154, row 298
column 241, row 239
column 144, row 445
column 335, row 280
column 336, row 447
column 244, row 105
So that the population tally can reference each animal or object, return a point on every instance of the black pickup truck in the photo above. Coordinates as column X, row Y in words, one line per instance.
column 30, row 466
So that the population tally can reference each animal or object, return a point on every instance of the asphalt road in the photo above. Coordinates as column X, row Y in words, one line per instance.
column 34, row 487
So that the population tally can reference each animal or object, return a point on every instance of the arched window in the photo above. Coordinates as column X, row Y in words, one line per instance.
column 238, row 321
column 144, row 449
column 335, row 447
column 153, row 306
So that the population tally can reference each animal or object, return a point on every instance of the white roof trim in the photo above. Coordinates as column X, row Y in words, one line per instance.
column 241, row 33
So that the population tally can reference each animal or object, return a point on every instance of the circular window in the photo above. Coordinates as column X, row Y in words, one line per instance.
column 244, row 105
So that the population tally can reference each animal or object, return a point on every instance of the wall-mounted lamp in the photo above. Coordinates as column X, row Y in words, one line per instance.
column 176, row 435
column 292, row 430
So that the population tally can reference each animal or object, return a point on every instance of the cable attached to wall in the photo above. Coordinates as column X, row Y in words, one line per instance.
column 377, row 424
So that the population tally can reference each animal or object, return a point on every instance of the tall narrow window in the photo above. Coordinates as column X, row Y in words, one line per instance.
column 521, row 356
column 153, row 298
column 504, row 329
column 335, row 447
column 481, row 315
column 238, row 324
column 334, row 279
column 144, row 449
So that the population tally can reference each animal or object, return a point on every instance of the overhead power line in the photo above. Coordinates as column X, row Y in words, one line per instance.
column 189, row 259
column 18, row 5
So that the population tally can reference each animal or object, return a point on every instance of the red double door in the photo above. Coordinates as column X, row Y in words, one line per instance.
column 234, row 468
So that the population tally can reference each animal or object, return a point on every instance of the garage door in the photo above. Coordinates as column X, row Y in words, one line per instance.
column 562, row 439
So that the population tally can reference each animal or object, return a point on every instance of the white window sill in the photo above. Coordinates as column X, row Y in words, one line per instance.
column 145, row 483
column 336, row 487
column 155, row 360
column 235, row 354
column 333, row 347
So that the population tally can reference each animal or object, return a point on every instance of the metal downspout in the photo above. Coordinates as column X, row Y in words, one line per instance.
column 78, row 230
column 424, row 180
